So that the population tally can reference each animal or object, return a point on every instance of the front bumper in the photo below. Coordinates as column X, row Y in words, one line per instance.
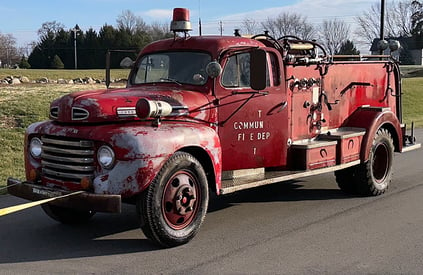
column 83, row 201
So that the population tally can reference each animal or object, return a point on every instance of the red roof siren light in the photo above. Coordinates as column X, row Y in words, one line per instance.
column 180, row 21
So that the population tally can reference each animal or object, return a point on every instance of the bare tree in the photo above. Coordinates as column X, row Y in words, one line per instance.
column 289, row 24
column 417, row 17
column 50, row 29
column 131, row 23
column 250, row 26
column 159, row 31
column 398, row 18
column 9, row 54
column 333, row 34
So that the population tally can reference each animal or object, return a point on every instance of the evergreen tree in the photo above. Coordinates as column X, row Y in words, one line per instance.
column 131, row 33
column 24, row 63
column 348, row 48
column 57, row 63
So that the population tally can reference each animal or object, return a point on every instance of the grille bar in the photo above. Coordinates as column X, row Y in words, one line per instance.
column 79, row 113
column 54, row 158
column 61, row 175
column 54, row 112
column 56, row 150
column 77, row 143
column 67, row 167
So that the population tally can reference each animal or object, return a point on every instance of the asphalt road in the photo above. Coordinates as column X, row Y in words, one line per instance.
column 301, row 227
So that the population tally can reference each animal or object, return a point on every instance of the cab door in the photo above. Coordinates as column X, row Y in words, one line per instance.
column 253, row 125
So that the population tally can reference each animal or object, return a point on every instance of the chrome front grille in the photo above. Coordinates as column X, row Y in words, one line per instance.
column 67, row 160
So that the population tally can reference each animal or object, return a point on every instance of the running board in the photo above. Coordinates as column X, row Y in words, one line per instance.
column 270, row 177
column 410, row 147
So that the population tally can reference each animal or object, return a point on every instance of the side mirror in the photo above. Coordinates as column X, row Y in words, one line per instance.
column 258, row 67
column 213, row 69
column 126, row 63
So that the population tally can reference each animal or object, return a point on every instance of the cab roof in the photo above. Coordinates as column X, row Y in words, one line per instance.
column 215, row 45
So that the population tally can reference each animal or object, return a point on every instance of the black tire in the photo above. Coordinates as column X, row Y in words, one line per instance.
column 375, row 174
column 173, row 207
column 67, row 215
column 346, row 180
column 373, row 177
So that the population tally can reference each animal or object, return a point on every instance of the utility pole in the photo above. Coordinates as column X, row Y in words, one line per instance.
column 199, row 18
column 75, row 31
column 221, row 28
column 382, row 22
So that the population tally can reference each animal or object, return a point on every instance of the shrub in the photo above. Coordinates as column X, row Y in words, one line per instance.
column 24, row 64
column 57, row 63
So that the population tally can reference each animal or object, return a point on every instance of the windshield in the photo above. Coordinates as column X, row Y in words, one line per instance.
column 176, row 67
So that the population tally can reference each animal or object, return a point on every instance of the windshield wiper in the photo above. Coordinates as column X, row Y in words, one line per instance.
column 170, row 80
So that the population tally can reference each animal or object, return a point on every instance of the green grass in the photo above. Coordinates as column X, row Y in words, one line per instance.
column 21, row 105
column 54, row 75
column 412, row 101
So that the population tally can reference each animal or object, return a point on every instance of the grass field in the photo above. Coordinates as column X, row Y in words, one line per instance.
column 54, row 75
column 21, row 105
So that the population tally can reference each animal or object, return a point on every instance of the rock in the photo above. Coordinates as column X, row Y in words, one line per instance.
column 88, row 80
column 15, row 81
column 70, row 82
column 43, row 80
column 62, row 81
column 24, row 79
column 78, row 81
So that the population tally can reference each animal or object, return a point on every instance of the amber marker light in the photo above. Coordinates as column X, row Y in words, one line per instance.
column 33, row 175
column 85, row 183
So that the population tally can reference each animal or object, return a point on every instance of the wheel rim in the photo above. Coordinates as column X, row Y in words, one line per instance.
column 179, row 203
column 381, row 162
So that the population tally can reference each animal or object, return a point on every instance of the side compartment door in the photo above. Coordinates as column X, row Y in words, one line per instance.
column 253, row 125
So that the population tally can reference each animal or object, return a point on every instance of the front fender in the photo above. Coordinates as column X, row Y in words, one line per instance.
column 142, row 151
column 373, row 118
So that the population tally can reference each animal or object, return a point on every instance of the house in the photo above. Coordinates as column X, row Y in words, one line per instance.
column 410, row 53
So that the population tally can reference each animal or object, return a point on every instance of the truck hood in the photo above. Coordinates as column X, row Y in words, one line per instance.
column 107, row 105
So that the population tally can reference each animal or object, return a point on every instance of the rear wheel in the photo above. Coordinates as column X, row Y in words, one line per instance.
column 67, row 215
column 374, row 176
column 174, row 205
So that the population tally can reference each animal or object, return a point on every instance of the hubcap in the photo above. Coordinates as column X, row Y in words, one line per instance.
column 179, row 200
column 381, row 162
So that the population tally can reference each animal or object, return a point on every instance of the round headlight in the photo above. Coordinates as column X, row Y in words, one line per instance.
column 106, row 157
column 35, row 147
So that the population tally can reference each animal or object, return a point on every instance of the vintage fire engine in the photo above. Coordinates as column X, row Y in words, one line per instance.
column 215, row 114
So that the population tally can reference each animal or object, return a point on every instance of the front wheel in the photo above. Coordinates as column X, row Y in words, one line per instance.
column 67, row 215
column 173, row 207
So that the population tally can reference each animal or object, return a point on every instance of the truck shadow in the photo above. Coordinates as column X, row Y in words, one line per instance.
column 31, row 236
column 278, row 192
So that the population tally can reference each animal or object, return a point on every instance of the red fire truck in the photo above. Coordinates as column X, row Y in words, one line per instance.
column 215, row 114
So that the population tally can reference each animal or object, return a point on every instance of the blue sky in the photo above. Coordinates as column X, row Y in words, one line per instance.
column 23, row 18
